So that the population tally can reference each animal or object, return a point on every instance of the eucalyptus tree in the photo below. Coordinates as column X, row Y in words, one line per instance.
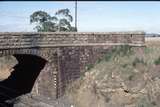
column 60, row 22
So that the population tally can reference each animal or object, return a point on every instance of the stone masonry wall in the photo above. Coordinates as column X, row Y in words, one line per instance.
column 67, row 54
column 47, row 39
column 73, row 62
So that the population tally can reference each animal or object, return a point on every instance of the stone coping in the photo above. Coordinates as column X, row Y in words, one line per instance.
column 28, row 33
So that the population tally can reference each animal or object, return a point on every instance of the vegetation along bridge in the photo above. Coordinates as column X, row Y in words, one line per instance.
column 48, row 62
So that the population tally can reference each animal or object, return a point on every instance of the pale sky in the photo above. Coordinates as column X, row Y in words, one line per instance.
column 93, row 16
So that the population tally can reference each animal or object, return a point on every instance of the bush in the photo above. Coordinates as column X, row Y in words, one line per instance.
column 137, row 60
column 145, row 102
column 118, row 50
column 125, row 50
column 124, row 65
column 130, row 78
column 89, row 66
column 108, row 56
column 157, row 61
column 147, row 50
column 99, row 60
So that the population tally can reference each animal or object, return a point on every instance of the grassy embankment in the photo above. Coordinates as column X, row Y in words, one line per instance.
column 124, row 77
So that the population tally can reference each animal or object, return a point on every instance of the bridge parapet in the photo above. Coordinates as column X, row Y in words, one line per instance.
column 56, row 39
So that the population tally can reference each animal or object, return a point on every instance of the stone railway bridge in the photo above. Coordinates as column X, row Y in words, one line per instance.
column 48, row 62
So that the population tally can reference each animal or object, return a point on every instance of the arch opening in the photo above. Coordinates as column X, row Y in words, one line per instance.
column 23, row 76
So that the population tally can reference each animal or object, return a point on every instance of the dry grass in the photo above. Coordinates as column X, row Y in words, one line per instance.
column 152, row 41
column 123, row 81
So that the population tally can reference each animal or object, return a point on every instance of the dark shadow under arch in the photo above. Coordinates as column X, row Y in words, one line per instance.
column 23, row 77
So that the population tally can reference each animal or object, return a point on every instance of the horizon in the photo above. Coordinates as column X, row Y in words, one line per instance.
column 92, row 16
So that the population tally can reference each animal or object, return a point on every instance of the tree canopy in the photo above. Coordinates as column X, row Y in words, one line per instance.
column 61, row 21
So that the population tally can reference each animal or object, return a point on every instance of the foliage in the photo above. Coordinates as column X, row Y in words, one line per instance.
column 118, row 50
column 157, row 61
column 108, row 56
column 147, row 50
column 144, row 102
column 122, row 74
column 89, row 66
column 124, row 65
column 99, row 60
column 137, row 60
column 130, row 78
column 47, row 23
column 123, row 50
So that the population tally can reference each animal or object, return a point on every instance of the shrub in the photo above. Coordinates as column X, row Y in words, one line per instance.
column 130, row 78
column 99, row 60
column 108, row 56
column 157, row 61
column 145, row 102
column 125, row 50
column 89, row 66
column 137, row 60
column 124, row 65
column 146, row 50
column 118, row 50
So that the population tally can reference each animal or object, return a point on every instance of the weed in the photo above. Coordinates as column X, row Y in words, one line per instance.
column 118, row 50
column 89, row 66
column 130, row 78
column 125, row 50
column 108, row 56
column 124, row 65
column 82, row 74
column 137, row 60
column 146, row 50
column 144, row 102
column 99, row 60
